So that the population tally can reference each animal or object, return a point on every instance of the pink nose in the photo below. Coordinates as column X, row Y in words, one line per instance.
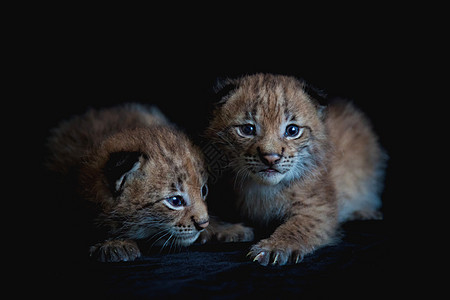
column 204, row 225
column 270, row 159
column 201, row 225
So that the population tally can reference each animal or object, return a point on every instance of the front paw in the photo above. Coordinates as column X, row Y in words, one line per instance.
column 115, row 251
column 205, row 236
column 275, row 253
column 235, row 233
column 227, row 232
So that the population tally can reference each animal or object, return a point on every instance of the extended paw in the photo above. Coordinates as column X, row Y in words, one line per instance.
column 235, row 233
column 227, row 232
column 115, row 251
column 269, row 252
column 205, row 236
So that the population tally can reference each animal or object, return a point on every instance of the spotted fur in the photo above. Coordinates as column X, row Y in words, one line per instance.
column 129, row 162
column 329, row 171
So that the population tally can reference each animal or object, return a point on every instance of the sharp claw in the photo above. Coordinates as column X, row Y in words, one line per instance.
column 257, row 256
column 298, row 259
column 248, row 254
column 275, row 259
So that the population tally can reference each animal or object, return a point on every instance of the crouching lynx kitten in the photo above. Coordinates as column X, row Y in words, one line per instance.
column 295, row 165
column 144, row 178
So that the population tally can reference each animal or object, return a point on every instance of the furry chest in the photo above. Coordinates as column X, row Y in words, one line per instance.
column 262, row 205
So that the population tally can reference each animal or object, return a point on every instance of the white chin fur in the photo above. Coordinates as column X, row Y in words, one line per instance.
column 182, row 241
column 268, row 178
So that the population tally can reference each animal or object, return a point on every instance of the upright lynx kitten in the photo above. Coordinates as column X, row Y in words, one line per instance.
column 296, row 165
column 144, row 178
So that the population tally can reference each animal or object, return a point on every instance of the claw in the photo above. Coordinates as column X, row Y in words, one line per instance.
column 275, row 259
column 248, row 254
column 257, row 256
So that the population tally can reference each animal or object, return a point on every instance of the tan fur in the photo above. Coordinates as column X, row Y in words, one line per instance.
column 358, row 165
column 329, row 174
column 133, row 205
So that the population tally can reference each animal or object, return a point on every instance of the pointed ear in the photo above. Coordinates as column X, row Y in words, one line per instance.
column 223, row 89
column 317, row 94
column 119, row 166
column 319, row 97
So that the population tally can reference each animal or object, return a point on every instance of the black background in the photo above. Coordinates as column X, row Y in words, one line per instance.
column 73, row 71
column 179, row 77
column 179, row 80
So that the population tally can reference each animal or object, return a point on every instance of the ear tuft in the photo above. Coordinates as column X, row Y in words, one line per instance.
column 119, row 166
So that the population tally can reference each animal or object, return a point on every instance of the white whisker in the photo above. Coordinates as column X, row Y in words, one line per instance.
column 171, row 235
column 164, row 233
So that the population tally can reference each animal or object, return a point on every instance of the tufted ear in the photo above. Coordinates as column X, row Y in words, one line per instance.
column 223, row 89
column 119, row 166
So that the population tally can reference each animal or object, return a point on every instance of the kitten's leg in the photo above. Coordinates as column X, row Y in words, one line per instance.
column 226, row 232
column 115, row 251
column 304, row 232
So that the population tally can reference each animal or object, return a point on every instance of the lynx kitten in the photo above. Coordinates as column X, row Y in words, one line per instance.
column 296, row 166
column 144, row 178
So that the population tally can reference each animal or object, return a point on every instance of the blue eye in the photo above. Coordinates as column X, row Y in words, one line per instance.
column 246, row 130
column 176, row 201
column 293, row 131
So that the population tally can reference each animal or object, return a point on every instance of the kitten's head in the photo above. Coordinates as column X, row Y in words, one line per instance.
column 150, row 184
column 271, row 130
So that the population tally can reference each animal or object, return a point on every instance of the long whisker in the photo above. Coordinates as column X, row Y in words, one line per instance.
column 166, row 232
column 171, row 235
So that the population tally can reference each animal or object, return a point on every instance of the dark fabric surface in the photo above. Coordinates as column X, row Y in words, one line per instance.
column 356, row 266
